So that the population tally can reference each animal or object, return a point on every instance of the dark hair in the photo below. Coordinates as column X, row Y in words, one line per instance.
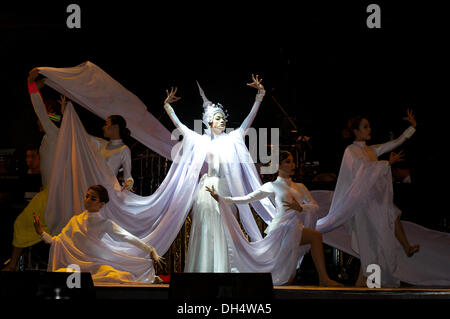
column 284, row 155
column 119, row 120
column 32, row 147
column 102, row 193
column 352, row 124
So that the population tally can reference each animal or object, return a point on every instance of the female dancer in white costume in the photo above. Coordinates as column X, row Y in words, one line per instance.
column 207, row 249
column 363, row 201
column 281, row 251
column 81, row 243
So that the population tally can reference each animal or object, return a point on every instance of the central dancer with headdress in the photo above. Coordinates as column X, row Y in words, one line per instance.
column 207, row 250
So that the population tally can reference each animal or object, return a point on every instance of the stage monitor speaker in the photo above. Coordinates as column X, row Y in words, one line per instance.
column 46, row 285
column 216, row 286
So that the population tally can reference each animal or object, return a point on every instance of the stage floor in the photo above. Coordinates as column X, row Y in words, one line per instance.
column 161, row 292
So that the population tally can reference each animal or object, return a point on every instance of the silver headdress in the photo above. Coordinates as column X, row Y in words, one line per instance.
column 209, row 109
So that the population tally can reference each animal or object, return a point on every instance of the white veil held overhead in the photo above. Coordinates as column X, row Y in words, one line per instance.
column 92, row 88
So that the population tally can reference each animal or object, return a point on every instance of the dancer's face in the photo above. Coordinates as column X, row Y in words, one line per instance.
column 287, row 166
column 33, row 160
column 92, row 201
column 109, row 129
column 363, row 133
column 218, row 123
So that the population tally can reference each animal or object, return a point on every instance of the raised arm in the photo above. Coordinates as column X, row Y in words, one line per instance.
column 38, row 103
column 171, row 97
column 259, row 97
column 391, row 145
column 37, row 226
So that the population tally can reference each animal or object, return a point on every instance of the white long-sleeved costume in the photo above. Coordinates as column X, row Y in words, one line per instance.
column 50, row 139
column 363, row 201
column 90, row 241
column 279, row 252
column 207, row 249
column 116, row 154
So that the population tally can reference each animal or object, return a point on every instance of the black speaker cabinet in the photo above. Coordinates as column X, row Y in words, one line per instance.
column 46, row 285
column 217, row 286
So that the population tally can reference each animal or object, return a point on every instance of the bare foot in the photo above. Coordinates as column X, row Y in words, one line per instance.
column 157, row 280
column 412, row 250
column 330, row 283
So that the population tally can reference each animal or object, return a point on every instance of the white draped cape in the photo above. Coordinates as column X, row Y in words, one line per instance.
column 366, row 188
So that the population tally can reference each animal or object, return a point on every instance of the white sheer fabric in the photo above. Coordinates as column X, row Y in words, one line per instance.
column 89, row 240
column 155, row 219
column 89, row 86
column 280, row 252
column 362, row 216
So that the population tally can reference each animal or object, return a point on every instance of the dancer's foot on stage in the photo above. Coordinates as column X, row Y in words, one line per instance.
column 157, row 280
column 330, row 283
column 411, row 250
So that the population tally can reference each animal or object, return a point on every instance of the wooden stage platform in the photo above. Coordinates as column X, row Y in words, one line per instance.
column 161, row 292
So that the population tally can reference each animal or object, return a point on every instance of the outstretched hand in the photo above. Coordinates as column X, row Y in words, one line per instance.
column 171, row 97
column 256, row 83
column 37, row 224
column 156, row 258
column 293, row 205
column 212, row 192
column 410, row 118
column 396, row 157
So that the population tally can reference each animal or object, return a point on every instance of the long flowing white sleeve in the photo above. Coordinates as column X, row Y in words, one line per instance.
column 39, row 107
column 46, row 238
column 251, row 116
column 263, row 192
column 118, row 233
column 389, row 146
column 174, row 118
column 126, row 165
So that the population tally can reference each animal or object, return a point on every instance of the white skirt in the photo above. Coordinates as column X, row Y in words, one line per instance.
column 207, row 250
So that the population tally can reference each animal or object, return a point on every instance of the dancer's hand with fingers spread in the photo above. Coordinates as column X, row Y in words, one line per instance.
column 293, row 205
column 156, row 258
column 212, row 192
column 37, row 224
column 171, row 96
column 410, row 118
column 396, row 157
column 256, row 83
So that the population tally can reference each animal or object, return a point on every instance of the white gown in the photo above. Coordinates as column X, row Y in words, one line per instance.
column 207, row 249
column 280, row 252
column 89, row 241
column 362, row 209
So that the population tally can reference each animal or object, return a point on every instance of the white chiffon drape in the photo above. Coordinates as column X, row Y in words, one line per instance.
column 361, row 221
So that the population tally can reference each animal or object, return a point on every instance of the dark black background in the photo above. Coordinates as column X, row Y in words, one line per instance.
column 318, row 59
